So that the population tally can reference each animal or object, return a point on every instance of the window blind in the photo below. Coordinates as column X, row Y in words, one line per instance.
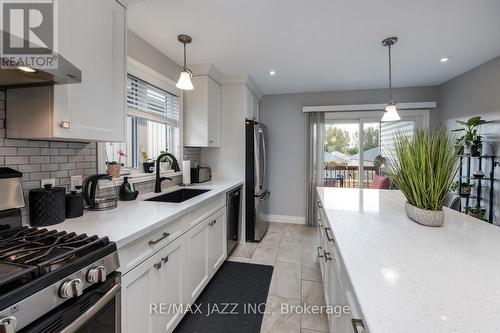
column 144, row 97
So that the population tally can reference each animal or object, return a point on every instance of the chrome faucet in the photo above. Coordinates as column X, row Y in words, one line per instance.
column 159, row 179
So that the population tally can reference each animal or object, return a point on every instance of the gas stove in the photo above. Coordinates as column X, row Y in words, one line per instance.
column 42, row 269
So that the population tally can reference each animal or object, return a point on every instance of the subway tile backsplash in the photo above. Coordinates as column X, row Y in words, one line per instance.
column 39, row 160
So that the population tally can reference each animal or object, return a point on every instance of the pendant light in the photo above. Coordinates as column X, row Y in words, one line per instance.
column 390, row 112
column 184, row 82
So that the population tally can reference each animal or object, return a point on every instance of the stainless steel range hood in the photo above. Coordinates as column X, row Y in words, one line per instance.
column 13, row 77
column 65, row 73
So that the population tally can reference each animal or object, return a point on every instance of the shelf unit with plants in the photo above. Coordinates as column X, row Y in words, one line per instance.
column 467, row 182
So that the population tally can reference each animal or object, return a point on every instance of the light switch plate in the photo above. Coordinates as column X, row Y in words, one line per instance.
column 48, row 181
column 75, row 181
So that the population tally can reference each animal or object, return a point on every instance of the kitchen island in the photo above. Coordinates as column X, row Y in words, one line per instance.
column 400, row 276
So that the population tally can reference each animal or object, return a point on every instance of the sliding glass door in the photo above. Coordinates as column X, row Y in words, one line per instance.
column 356, row 144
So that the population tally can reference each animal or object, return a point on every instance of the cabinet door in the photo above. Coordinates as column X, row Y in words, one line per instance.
column 92, row 37
column 139, row 292
column 197, row 260
column 195, row 113
column 217, row 242
column 172, row 283
column 214, row 110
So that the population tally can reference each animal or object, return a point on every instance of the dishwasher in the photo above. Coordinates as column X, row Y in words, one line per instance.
column 233, row 218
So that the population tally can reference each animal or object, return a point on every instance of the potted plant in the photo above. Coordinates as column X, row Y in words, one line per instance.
column 148, row 164
column 470, row 142
column 114, row 167
column 466, row 188
column 423, row 169
column 477, row 212
column 165, row 162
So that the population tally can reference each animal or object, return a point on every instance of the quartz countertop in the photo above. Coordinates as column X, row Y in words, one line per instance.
column 134, row 219
column 411, row 278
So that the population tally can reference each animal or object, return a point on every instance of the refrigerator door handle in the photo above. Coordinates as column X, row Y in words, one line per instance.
column 264, row 158
column 265, row 196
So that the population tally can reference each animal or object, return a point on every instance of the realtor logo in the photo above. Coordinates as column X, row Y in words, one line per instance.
column 28, row 36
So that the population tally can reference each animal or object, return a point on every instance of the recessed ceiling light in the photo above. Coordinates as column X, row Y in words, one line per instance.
column 272, row 73
column 444, row 59
column 27, row 69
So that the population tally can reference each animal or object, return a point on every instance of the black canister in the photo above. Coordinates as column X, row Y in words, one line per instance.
column 47, row 206
column 74, row 205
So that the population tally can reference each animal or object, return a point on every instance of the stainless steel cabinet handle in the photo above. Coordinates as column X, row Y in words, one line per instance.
column 319, row 252
column 165, row 235
column 355, row 323
column 327, row 256
column 320, row 205
column 327, row 232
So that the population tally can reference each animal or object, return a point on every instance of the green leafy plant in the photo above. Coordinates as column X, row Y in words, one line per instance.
column 424, row 167
column 470, row 136
column 165, row 158
column 477, row 212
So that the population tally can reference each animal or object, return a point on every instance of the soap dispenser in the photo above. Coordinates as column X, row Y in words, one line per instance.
column 126, row 192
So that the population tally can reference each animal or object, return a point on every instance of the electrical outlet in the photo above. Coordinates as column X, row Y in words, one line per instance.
column 48, row 181
column 75, row 181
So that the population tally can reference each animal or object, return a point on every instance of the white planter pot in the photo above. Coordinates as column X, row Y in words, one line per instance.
column 165, row 166
column 429, row 218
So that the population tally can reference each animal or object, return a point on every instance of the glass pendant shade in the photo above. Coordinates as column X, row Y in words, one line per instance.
column 184, row 82
column 391, row 113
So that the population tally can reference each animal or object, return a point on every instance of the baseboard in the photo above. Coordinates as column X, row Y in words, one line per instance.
column 284, row 219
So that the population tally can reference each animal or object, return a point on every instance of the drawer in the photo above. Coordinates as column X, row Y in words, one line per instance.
column 138, row 251
column 141, row 249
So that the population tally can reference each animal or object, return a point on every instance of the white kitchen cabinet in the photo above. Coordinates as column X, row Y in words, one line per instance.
column 197, row 259
column 217, row 242
column 92, row 35
column 252, row 105
column 158, row 280
column 202, row 110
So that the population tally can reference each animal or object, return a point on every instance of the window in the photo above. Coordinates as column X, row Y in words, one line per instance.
column 153, row 119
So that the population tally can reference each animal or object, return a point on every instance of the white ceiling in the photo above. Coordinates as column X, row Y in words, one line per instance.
column 321, row 45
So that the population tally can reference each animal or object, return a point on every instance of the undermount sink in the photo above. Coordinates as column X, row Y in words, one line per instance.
column 178, row 196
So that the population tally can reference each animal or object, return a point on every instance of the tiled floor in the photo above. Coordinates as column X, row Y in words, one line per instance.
column 296, row 280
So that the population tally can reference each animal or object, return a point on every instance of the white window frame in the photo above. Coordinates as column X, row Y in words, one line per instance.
column 151, row 76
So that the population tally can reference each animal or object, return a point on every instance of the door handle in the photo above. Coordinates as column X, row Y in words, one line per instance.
column 165, row 235
column 355, row 323
column 327, row 232
column 319, row 252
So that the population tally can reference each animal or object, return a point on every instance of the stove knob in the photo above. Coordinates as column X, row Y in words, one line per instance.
column 8, row 324
column 71, row 288
column 97, row 274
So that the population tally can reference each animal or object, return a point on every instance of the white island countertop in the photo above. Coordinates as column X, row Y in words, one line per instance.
column 134, row 219
column 408, row 278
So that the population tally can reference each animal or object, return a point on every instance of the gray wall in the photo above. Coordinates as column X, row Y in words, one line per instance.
column 476, row 93
column 283, row 115
column 143, row 52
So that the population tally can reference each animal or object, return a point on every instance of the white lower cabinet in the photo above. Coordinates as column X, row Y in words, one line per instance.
column 149, row 289
column 336, row 286
column 197, row 257
column 175, row 275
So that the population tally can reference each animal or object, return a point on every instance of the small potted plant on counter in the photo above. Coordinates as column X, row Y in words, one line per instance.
column 424, row 168
column 470, row 142
column 477, row 212
column 165, row 162
column 114, row 167
column 148, row 164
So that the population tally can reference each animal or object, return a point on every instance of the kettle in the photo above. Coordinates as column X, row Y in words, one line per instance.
column 98, row 193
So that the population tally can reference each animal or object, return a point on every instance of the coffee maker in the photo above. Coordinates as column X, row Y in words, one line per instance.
column 11, row 197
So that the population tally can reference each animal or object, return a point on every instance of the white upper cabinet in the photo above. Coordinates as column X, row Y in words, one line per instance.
column 252, row 106
column 202, row 110
column 92, row 36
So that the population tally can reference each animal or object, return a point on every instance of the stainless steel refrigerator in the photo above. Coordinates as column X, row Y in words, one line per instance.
column 257, row 191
